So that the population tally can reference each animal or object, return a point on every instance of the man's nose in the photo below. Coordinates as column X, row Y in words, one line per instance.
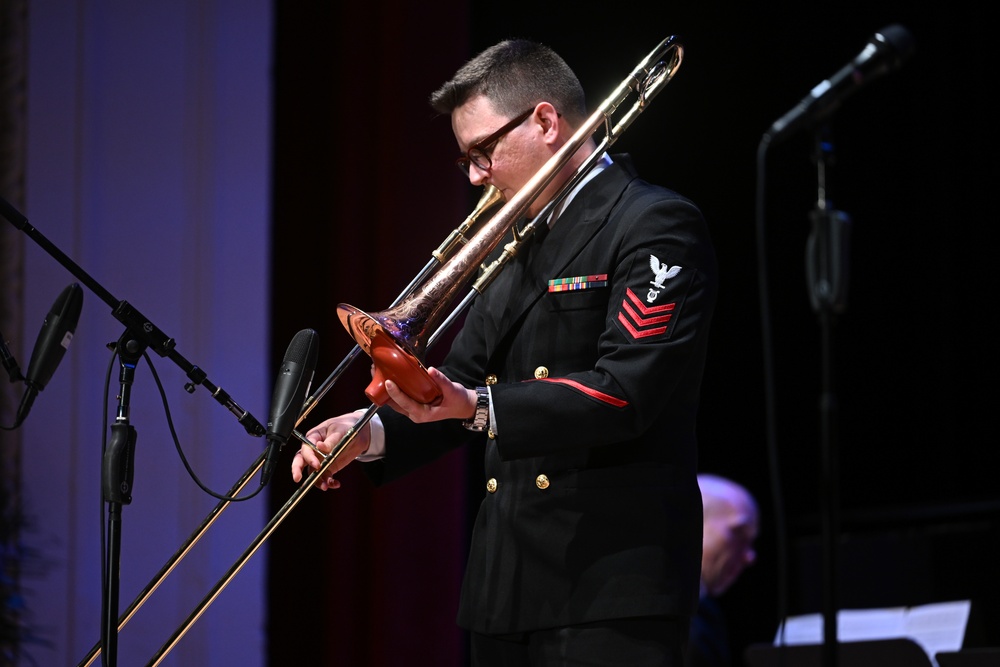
column 477, row 176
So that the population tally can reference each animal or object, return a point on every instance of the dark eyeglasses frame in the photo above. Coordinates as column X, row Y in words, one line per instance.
column 478, row 153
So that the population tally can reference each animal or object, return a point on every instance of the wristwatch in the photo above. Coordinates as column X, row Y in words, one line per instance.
column 482, row 416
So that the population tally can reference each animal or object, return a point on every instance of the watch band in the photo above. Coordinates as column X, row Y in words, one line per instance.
column 480, row 420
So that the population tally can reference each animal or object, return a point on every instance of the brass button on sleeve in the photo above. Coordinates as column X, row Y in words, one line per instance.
column 491, row 485
column 491, row 380
column 542, row 482
column 541, row 373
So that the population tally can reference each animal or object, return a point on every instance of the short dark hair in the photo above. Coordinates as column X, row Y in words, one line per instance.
column 514, row 75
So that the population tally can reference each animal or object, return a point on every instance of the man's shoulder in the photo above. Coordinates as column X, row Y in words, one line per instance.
column 623, row 172
column 640, row 196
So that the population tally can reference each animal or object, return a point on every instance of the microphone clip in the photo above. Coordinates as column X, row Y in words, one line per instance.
column 9, row 362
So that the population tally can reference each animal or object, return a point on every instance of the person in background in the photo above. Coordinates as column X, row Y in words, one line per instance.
column 731, row 524
column 577, row 376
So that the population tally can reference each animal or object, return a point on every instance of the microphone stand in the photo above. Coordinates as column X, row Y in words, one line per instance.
column 117, row 466
column 827, row 264
column 116, row 482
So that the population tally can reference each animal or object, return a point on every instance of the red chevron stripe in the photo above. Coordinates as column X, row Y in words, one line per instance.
column 646, row 310
column 640, row 334
column 645, row 321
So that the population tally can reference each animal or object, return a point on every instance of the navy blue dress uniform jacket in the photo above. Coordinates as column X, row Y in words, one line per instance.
column 593, row 342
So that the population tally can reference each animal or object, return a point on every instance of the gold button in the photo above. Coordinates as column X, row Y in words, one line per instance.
column 542, row 482
column 490, row 434
column 491, row 380
column 491, row 485
column 541, row 373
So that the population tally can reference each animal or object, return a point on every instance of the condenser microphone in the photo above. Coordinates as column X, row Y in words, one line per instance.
column 53, row 341
column 290, row 387
column 886, row 50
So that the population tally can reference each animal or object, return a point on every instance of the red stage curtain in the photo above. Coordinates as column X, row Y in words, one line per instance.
column 364, row 191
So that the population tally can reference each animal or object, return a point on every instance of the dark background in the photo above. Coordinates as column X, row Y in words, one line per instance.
column 364, row 190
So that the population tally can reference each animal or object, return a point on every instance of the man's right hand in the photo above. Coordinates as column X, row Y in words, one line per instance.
column 326, row 436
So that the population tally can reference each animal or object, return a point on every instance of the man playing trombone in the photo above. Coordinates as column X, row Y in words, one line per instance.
column 578, row 371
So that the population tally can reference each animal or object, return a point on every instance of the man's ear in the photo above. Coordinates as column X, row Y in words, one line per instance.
column 549, row 120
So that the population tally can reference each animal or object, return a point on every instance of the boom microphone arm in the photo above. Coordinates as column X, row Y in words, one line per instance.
column 144, row 332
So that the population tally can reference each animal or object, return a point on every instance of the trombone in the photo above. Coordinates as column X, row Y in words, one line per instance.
column 397, row 338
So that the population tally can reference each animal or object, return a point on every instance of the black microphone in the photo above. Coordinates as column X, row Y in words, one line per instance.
column 885, row 51
column 53, row 341
column 294, row 378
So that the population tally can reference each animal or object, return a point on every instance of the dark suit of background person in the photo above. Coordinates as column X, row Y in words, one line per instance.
column 732, row 522
column 592, row 343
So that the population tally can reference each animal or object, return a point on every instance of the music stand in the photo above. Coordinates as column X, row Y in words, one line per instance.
column 897, row 652
column 976, row 657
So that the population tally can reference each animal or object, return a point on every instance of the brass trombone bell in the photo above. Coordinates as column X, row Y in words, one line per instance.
column 386, row 343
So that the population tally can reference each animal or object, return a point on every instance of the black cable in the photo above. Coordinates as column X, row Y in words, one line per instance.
column 780, row 529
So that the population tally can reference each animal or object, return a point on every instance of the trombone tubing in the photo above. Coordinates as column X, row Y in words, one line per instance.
column 178, row 556
column 276, row 521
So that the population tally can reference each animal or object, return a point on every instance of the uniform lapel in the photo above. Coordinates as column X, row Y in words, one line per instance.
column 578, row 224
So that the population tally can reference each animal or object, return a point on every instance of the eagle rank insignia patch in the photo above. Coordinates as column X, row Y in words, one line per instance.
column 646, row 310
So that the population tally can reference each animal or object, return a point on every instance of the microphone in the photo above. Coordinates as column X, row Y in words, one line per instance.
column 885, row 51
column 294, row 378
column 53, row 341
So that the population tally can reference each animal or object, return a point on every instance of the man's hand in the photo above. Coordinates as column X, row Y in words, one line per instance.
column 456, row 402
column 326, row 436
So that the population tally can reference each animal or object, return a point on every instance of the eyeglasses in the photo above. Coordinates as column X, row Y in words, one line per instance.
column 479, row 153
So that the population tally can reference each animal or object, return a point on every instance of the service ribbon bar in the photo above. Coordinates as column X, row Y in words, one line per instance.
column 578, row 282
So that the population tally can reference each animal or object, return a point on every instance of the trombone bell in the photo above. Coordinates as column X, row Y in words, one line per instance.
column 391, row 355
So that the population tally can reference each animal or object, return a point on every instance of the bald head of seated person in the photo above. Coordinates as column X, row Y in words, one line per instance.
column 731, row 524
